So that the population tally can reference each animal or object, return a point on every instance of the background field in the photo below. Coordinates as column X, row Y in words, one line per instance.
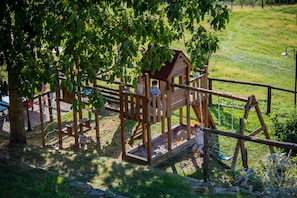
column 251, row 50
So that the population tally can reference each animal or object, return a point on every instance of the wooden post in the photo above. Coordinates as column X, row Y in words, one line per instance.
column 169, row 123
column 163, row 126
column 268, row 100
column 80, row 113
column 149, row 143
column 97, row 116
column 210, row 88
column 144, row 134
column 123, row 132
column 235, row 155
column 146, row 104
column 50, row 107
column 207, row 138
column 164, row 114
column 75, row 126
column 181, row 116
column 188, row 115
column 41, row 121
column 97, row 130
column 242, row 148
column 59, row 114
column 238, row 144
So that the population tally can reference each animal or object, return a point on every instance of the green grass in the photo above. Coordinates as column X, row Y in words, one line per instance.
column 42, row 172
column 250, row 50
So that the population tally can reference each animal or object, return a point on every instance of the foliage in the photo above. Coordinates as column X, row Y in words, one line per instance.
column 276, row 176
column 249, row 180
column 43, row 40
column 286, row 129
column 97, row 37
column 279, row 173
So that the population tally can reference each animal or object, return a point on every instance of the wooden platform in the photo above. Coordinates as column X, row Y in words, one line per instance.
column 160, row 150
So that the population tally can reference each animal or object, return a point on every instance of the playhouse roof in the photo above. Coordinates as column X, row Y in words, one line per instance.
column 166, row 70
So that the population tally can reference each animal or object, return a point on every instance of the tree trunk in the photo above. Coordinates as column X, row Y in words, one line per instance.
column 16, row 112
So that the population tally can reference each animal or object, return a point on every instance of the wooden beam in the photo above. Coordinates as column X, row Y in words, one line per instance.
column 286, row 145
column 263, row 125
column 207, row 91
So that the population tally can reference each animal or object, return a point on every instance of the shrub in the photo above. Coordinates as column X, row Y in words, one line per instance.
column 286, row 130
column 279, row 173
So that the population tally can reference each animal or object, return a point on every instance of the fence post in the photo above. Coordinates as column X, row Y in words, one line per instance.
column 210, row 95
column 268, row 111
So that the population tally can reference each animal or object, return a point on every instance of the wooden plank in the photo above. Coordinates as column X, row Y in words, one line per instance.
column 286, row 145
column 207, row 91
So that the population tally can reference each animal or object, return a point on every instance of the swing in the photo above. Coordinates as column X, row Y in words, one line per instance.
column 223, row 157
column 220, row 155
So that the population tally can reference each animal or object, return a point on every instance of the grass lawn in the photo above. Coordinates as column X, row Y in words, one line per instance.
column 250, row 51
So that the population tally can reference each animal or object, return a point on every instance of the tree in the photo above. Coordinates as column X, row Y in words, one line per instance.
column 113, row 38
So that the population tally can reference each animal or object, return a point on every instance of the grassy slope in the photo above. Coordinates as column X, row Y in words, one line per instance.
column 43, row 172
column 251, row 47
column 250, row 50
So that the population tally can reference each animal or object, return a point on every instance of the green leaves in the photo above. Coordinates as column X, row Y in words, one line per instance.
column 115, row 38
column 201, row 46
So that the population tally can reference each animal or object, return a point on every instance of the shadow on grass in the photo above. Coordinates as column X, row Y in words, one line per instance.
column 86, row 167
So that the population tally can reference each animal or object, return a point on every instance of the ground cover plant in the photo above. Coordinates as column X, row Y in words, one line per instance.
column 244, row 54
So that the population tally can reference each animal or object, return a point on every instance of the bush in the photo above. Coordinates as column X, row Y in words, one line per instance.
column 286, row 130
column 279, row 173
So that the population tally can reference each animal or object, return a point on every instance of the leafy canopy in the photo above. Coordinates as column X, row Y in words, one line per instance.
column 116, row 39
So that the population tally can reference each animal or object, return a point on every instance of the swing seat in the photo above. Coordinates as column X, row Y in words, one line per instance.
column 223, row 157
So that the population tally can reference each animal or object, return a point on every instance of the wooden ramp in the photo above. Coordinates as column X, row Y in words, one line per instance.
column 198, row 114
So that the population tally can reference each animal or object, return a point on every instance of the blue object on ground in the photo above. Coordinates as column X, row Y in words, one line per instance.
column 223, row 157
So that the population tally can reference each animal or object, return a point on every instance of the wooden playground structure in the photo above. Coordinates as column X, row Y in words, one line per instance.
column 181, row 93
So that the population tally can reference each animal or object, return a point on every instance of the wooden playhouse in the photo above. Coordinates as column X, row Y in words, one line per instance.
column 148, row 111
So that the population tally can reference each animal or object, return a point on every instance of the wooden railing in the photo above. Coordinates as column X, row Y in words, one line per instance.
column 268, row 87
column 201, row 82
column 142, row 109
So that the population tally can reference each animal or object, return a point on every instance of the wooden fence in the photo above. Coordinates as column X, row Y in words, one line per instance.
column 268, row 87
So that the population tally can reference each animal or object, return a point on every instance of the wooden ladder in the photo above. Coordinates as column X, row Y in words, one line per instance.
column 137, row 133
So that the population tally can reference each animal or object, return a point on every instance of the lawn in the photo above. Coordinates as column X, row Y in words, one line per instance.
column 250, row 51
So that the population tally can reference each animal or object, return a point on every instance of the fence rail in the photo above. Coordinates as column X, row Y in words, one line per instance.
column 269, row 90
